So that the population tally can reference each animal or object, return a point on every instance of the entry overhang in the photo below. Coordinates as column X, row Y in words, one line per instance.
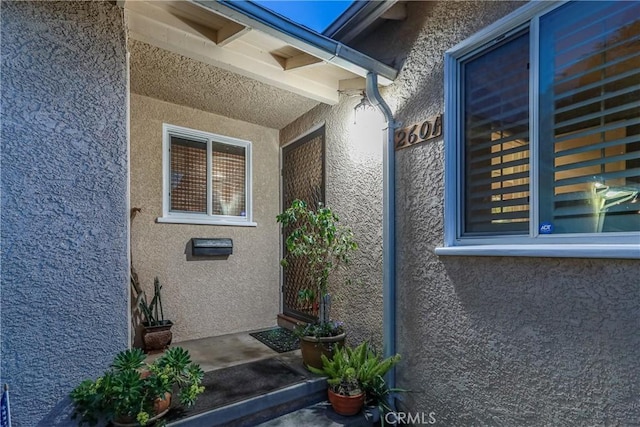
column 247, row 39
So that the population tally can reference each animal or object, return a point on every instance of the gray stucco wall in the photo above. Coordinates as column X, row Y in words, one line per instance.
column 354, row 192
column 64, row 201
column 485, row 340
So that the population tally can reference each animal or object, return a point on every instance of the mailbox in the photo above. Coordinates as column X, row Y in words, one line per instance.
column 211, row 247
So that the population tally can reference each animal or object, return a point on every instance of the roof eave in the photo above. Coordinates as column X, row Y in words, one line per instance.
column 325, row 48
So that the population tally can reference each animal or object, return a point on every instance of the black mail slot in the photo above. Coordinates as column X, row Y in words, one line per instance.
column 211, row 247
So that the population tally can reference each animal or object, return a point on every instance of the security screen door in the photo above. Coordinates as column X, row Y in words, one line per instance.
column 303, row 163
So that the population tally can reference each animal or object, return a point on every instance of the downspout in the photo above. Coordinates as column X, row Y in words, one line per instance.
column 388, row 226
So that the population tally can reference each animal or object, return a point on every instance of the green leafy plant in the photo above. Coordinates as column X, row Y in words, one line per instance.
column 307, row 297
column 332, row 328
column 130, row 389
column 360, row 368
column 316, row 237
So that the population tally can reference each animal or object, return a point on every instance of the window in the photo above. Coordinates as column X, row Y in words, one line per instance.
column 543, row 133
column 207, row 178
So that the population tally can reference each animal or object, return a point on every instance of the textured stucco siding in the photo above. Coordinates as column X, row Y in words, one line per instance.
column 354, row 192
column 205, row 297
column 64, row 294
column 488, row 340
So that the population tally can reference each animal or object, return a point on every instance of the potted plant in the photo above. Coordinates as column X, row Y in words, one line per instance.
column 156, row 334
column 356, row 376
column 316, row 237
column 131, row 393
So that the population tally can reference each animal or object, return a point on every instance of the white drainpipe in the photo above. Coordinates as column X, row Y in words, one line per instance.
column 388, row 227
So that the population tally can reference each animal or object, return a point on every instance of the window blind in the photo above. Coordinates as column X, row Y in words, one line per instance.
column 188, row 175
column 228, row 179
column 590, row 110
column 496, row 138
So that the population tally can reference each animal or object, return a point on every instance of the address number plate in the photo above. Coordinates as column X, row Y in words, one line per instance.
column 421, row 132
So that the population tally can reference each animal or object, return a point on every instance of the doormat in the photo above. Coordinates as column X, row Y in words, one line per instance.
column 223, row 387
column 278, row 339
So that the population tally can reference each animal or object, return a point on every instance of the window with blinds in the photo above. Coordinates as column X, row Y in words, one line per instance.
column 542, row 129
column 496, row 136
column 228, row 179
column 207, row 178
column 590, row 110
column 188, row 175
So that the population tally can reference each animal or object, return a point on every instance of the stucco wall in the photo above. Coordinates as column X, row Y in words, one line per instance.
column 64, row 201
column 205, row 297
column 496, row 341
column 354, row 192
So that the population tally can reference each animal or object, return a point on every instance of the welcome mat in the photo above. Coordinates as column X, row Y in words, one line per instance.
column 229, row 385
column 278, row 339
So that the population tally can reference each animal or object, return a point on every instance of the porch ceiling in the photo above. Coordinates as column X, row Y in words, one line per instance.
column 174, row 78
column 215, row 60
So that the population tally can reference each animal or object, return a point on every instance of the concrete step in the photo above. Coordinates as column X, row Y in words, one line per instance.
column 321, row 415
column 255, row 410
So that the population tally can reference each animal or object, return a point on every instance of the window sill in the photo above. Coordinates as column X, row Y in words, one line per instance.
column 205, row 221
column 554, row 251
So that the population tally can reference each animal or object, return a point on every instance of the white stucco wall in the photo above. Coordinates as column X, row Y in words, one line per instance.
column 207, row 297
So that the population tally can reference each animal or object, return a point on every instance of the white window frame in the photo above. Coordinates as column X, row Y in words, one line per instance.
column 587, row 245
column 169, row 130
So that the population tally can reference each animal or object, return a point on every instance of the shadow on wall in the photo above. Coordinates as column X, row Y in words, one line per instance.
column 392, row 41
column 58, row 416
column 558, row 337
column 435, row 27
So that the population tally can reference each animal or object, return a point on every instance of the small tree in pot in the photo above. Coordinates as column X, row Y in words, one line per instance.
column 316, row 237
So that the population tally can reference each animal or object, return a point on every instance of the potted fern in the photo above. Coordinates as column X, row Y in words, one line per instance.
column 355, row 376
column 316, row 237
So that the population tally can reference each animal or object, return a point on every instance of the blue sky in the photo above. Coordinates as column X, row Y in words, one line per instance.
column 314, row 14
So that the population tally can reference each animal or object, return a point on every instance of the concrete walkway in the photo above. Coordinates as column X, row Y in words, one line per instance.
column 319, row 415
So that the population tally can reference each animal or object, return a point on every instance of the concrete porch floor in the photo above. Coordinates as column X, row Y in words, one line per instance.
column 295, row 405
column 227, row 350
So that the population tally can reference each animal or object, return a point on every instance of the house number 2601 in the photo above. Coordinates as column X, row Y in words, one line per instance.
column 412, row 135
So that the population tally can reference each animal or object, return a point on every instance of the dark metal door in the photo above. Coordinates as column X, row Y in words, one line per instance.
column 302, row 178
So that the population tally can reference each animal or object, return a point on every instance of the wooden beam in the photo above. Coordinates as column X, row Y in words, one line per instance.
column 230, row 32
column 301, row 60
column 355, row 84
column 240, row 57
column 160, row 15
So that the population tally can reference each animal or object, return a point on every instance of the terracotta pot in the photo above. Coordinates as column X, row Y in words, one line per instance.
column 312, row 348
column 157, row 338
column 160, row 407
column 346, row 405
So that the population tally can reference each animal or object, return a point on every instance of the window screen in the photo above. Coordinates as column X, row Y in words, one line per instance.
column 496, row 138
column 590, row 117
